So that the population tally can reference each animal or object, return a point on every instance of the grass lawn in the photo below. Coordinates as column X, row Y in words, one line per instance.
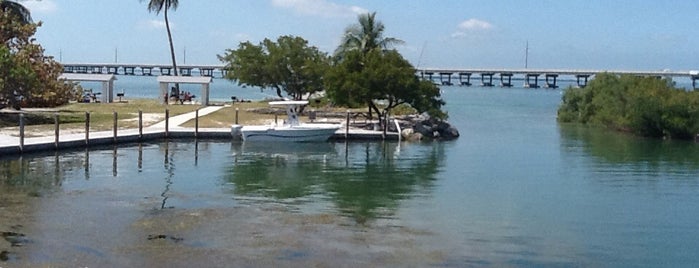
column 72, row 116
column 40, row 122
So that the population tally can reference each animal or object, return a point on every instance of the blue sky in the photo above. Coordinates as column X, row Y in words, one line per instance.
column 589, row 34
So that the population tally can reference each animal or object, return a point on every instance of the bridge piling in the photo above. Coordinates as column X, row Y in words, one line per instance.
column 468, row 79
column 489, row 82
column 509, row 79
column 583, row 83
column 528, row 83
column 448, row 76
column 551, row 84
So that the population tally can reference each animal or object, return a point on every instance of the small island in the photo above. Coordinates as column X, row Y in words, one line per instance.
column 644, row 106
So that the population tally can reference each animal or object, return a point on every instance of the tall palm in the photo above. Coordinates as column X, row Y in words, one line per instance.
column 365, row 36
column 158, row 6
column 17, row 9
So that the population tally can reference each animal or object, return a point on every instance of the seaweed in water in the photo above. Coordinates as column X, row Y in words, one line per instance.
column 161, row 236
column 15, row 239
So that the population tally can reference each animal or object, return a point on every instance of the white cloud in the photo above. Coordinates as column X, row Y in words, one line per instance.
column 156, row 24
column 475, row 24
column 322, row 8
column 471, row 26
column 40, row 6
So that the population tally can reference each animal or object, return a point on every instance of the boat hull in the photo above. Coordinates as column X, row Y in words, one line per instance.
column 301, row 133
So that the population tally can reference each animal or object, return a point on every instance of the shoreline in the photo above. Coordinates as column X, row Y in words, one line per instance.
column 11, row 145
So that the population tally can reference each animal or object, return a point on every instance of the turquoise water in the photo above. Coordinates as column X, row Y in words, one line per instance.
column 516, row 189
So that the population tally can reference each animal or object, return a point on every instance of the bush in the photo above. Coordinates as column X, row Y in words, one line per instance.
column 646, row 106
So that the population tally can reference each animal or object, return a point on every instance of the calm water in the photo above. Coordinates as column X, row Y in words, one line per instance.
column 517, row 189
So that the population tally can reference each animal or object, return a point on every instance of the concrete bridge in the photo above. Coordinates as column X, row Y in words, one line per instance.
column 441, row 76
column 144, row 69
column 531, row 76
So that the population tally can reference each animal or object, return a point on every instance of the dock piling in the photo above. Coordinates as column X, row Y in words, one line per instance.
column 57, row 128
column 196, row 123
column 21, row 132
column 167, row 122
column 115, row 126
column 140, row 124
column 87, row 128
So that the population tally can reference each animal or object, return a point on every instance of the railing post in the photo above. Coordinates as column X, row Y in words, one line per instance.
column 87, row 128
column 236, row 115
column 21, row 132
column 347, row 125
column 115, row 126
column 140, row 124
column 196, row 123
column 57, row 128
column 167, row 122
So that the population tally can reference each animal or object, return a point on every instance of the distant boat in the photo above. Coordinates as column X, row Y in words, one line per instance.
column 291, row 130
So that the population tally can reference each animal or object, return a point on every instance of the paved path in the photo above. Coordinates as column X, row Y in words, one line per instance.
column 178, row 120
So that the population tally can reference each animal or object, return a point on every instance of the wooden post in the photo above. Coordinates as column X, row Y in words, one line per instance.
column 115, row 126
column 275, row 119
column 196, row 123
column 385, row 126
column 347, row 125
column 140, row 124
column 167, row 122
column 87, row 128
column 236, row 115
column 57, row 127
column 21, row 132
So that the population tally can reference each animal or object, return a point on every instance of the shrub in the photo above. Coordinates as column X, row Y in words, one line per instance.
column 646, row 106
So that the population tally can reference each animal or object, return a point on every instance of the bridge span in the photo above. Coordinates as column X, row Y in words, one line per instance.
column 441, row 76
column 531, row 76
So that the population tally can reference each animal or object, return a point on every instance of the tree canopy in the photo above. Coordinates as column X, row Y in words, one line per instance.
column 646, row 106
column 27, row 76
column 365, row 36
column 288, row 65
column 16, row 9
column 382, row 81
column 368, row 72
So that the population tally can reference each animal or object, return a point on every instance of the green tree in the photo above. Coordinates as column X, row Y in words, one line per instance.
column 646, row 106
column 16, row 9
column 158, row 6
column 287, row 65
column 27, row 76
column 382, row 80
column 365, row 36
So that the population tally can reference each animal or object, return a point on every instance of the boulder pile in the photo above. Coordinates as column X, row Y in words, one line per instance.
column 421, row 127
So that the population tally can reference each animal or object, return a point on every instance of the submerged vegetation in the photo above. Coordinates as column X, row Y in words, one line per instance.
column 645, row 106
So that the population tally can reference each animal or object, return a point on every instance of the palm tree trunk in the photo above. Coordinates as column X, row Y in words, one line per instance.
column 172, row 47
column 172, row 50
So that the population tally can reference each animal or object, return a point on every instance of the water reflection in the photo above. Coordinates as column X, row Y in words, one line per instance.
column 365, row 182
column 617, row 148
column 361, row 180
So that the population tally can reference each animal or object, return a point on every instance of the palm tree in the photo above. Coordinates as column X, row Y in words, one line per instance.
column 17, row 9
column 365, row 36
column 164, row 5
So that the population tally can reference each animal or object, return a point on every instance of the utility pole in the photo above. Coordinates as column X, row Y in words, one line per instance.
column 526, row 56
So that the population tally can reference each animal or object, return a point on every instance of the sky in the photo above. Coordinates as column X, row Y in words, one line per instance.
column 562, row 34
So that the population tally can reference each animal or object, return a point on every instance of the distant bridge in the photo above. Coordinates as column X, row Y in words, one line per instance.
column 531, row 76
column 437, row 75
column 144, row 69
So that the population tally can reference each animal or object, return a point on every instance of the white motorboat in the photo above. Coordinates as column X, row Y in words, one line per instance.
column 290, row 130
